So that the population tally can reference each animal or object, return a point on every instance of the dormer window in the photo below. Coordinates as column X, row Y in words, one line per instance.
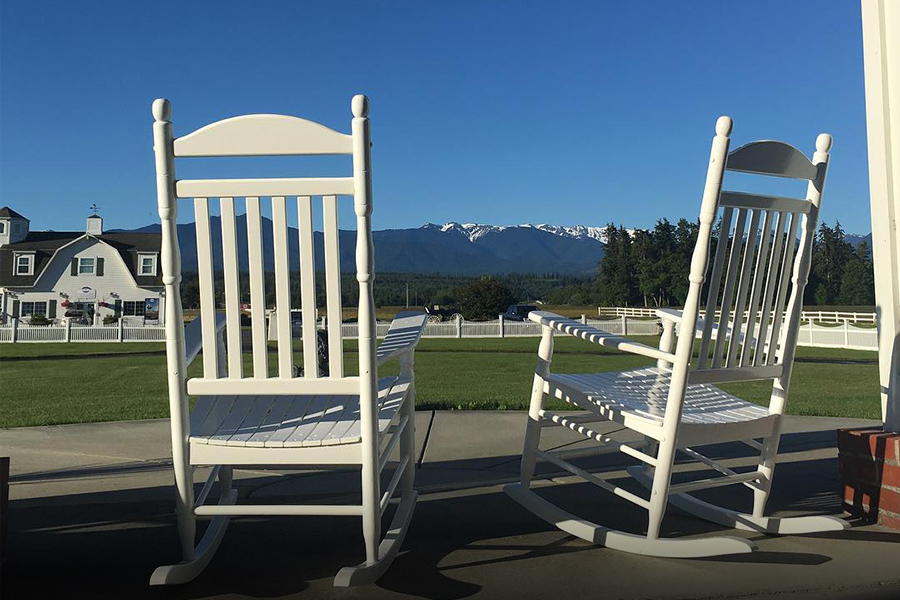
column 147, row 265
column 87, row 265
column 2, row 227
column 24, row 264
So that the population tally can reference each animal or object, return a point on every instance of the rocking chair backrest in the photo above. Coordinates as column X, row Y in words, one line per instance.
column 268, row 135
column 756, row 261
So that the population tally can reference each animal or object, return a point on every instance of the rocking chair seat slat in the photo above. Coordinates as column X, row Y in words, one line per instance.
column 643, row 393
column 300, row 421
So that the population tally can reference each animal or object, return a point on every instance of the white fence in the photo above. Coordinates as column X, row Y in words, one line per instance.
column 843, row 335
column 22, row 332
column 823, row 316
column 504, row 328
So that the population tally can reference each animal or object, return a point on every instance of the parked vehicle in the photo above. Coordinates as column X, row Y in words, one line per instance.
column 518, row 312
column 438, row 313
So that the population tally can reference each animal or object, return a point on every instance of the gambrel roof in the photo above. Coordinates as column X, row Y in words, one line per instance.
column 45, row 244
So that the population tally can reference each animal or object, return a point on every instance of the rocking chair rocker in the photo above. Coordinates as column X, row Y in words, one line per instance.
column 673, row 405
column 284, row 420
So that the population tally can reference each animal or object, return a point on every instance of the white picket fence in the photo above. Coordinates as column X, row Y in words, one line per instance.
column 503, row 328
column 22, row 332
column 843, row 335
column 823, row 316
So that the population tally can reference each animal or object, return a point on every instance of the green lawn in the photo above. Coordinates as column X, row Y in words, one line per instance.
column 489, row 373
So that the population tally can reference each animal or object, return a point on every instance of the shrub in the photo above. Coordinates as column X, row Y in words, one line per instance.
column 484, row 298
column 39, row 320
column 110, row 320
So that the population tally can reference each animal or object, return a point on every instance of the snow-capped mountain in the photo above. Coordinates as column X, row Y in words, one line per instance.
column 452, row 248
column 474, row 231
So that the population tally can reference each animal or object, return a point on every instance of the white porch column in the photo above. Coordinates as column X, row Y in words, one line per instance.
column 881, row 51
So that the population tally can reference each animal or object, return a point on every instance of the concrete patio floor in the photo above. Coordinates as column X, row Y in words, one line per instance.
column 91, row 516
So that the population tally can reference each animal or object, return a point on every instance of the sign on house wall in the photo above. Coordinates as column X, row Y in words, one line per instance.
column 151, row 309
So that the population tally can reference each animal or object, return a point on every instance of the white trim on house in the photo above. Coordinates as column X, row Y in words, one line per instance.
column 87, row 261
column 29, row 254
column 153, row 256
column 881, row 42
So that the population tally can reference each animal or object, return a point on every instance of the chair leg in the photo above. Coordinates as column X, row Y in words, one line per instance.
column 379, row 556
column 659, row 492
column 532, row 433
column 195, row 559
column 408, row 444
column 371, row 519
column 184, row 509
column 766, row 468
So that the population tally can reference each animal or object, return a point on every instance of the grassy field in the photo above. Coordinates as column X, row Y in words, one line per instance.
column 489, row 373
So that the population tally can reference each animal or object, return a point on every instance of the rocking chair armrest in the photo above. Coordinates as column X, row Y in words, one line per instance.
column 402, row 337
column 597, row 336
column 674, row 315
column 193, row 336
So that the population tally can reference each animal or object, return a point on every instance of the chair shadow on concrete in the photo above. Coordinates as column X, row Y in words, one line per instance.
column 104, row 544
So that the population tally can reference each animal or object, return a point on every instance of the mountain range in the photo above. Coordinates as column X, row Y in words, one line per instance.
column 452, row 248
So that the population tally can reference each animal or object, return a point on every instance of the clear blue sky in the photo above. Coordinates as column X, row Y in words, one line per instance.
column 502, row 113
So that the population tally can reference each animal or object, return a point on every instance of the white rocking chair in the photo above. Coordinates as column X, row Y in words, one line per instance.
column 283, row 420
column 673, row 405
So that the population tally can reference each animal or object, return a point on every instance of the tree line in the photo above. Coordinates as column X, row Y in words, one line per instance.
column 393, row 289
column 650, row 267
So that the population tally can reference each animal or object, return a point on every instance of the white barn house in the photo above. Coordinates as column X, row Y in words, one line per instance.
column 85, row 276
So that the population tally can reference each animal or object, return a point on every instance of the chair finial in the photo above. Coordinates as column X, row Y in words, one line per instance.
column 360, row 106
column 724, row 124
column 162, row 109
column 823, row 142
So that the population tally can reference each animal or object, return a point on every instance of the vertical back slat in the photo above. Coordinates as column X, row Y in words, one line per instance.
column 207, row 292
column 282, row 288
column 333, row 285
column 771, row 284
column 715, row 281
column 307, row 286
column 790, row 246
column 257, row 289
column 749, row 255
column 759, row 277
column 232, row 288
column 728, row 293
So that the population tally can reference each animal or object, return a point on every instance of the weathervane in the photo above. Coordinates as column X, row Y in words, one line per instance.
column 95, row 209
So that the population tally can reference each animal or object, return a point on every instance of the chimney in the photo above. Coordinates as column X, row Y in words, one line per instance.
column 95, row 225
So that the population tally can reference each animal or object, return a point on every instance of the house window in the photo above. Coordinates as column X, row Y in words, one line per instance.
column 2, row 227
column 24, row 264
column 33, row 308
column 87, row 266
column 133, row 309
column 147, row 265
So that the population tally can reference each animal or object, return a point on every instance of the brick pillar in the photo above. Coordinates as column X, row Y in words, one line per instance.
column 869, row 461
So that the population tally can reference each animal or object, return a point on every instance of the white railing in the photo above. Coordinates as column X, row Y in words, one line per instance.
column 19, row 331
column 823, row 316
column 844, row 335
column 144, row 334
